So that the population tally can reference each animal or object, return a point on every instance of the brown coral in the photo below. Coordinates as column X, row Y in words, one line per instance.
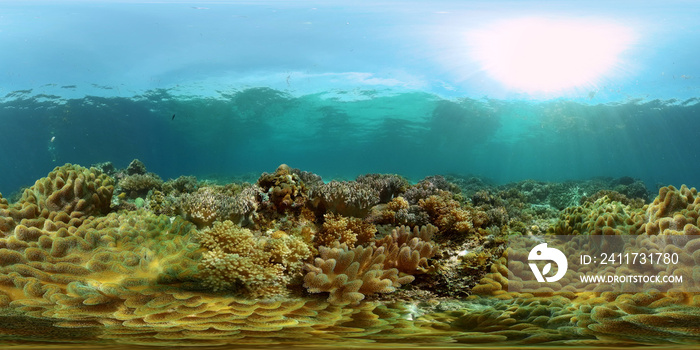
column 409, row 250
column 344, row 230
column 347, row 198
column 450, row 216
column 238, row 260
column 72, row 189
column 350, row 275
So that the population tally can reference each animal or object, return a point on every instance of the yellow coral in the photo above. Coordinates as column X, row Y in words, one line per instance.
column 237, row 259
column 344, row 230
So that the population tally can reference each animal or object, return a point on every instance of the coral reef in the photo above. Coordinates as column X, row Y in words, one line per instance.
column 291, row 260
column 387, row 186
column 350, row 275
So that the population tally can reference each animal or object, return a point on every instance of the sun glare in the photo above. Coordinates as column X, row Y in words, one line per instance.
column 543, row 56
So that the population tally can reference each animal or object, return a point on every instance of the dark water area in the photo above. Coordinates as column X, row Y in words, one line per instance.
column 341, row 134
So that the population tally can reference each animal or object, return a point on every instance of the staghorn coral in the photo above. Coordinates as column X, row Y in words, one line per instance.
column 237, row 260
column 346, row 198
column 344, row 230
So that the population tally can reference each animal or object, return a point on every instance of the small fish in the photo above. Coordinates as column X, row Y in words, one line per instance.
column 173, row 118
column 53, row 138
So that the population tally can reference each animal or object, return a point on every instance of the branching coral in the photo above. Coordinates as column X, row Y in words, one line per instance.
column 238, row 260
column 344, row 230
column 206, row 205
column 450, row 216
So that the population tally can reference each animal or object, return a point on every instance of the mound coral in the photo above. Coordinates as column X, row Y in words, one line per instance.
column 673, row 211
column 69, row 195
column 602, row 217
column 347, row 198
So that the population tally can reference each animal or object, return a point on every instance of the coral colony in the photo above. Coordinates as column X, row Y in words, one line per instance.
column 119, row 255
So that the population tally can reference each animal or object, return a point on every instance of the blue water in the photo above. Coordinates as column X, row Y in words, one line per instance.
column 413, row 134
column 338, row 89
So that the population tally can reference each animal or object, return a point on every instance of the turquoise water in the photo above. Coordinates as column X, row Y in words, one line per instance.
column 339, row 89
column 415, row 134
column 606, row 94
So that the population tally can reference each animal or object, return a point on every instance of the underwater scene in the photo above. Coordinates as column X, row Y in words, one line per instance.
column 349, row 174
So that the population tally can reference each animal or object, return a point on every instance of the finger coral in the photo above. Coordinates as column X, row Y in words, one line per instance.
column 409, row 250
column 351, row 274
